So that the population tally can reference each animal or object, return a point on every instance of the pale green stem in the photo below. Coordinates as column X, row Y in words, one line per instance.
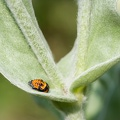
column 64, row 110
column 72, row 111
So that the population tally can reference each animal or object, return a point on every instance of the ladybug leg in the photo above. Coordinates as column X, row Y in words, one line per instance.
column 30, row 84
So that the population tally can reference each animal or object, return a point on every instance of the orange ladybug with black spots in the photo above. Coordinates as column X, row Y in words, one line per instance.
column 39, row 85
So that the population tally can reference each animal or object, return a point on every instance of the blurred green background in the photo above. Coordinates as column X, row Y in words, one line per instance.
column 57, row 20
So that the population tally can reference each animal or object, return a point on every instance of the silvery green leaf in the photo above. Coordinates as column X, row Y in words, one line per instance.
column 25, row 54
column 97, row 46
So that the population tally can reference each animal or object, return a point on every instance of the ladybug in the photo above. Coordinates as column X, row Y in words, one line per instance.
column 39, row 85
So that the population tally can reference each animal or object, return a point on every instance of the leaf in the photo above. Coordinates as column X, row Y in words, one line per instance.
column 93, row 73
column 75, row 60
column 97, row 47
column 29, row 8
column 24, row 53
column 103, row 48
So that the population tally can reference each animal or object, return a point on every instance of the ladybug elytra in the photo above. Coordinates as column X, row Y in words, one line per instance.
column 39, row 85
